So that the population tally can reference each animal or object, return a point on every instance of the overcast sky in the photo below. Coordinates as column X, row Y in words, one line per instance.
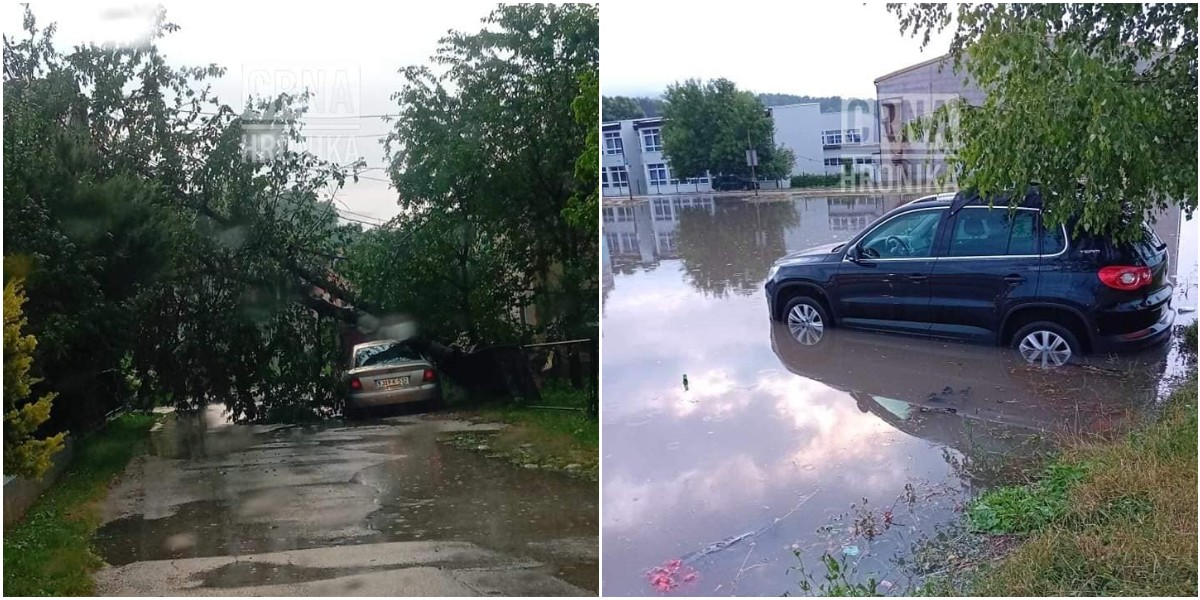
column 804, row 48
column 346, row 52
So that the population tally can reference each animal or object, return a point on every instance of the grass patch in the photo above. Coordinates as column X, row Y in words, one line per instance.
column 1027, row 508
column 49, row 552
column 548, row 438
column 1189, row 337
column 1108, row 518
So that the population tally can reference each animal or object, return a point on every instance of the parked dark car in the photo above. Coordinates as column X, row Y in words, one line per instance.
column 950, row 266
column 727, row 183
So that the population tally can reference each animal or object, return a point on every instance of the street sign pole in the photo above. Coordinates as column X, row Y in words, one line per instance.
column 752, row 162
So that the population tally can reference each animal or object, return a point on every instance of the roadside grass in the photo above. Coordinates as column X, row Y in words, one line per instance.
column 554, row 435
column 49, row 552
column 1106, row 518
column 1189, row 337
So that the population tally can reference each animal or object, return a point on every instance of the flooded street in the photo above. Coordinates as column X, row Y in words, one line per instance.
column 729, row 448
column 368, row 508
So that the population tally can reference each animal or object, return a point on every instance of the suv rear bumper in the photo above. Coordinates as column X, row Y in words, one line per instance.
column 1154, row 334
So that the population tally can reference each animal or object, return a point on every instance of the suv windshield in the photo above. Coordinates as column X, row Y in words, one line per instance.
column 386, row 354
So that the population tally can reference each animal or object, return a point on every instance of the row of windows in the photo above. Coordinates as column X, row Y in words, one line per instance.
column 618, row 214
column 651, row 141
column 658, row 174
column 837, row 137
column 857, row 160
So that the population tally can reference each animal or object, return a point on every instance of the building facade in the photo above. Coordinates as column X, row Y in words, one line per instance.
column 632, row 161
column 909, row 94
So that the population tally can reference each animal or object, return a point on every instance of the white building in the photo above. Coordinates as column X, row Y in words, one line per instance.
column 824, row 142
column 632, row 161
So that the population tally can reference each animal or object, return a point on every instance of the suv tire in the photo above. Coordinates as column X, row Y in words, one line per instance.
column 806, row 319
column 1046, row 344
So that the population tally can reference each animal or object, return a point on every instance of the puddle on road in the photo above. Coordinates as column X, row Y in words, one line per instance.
column 244, row 490
column 858, row 446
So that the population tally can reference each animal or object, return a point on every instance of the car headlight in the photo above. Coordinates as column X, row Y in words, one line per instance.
column 774, row 269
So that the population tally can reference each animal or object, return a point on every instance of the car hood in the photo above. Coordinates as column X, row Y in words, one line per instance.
column 814, row 254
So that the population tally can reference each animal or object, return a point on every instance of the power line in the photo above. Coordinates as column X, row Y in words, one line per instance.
column 375, row 178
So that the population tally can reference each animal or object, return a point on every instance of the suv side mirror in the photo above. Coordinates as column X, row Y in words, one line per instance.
column 852, row 254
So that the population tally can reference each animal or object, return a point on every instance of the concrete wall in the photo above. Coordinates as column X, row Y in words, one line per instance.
column 21, row 493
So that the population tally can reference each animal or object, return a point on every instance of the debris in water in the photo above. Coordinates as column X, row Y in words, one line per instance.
column 685, row 382
column 670, row 575
column 850, row 550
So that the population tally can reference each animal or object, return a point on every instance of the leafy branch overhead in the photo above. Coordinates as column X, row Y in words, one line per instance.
column 486, row 153
column 1096, row 103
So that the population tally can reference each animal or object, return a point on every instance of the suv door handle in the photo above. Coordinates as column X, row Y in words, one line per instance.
column 1014, row 278
column 917, row 277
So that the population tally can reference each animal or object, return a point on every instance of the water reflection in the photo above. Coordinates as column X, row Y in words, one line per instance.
column 766, row 422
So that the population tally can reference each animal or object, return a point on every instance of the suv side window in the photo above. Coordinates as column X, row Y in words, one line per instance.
column 909, row 235
column 993, row 232
column 1053, row 240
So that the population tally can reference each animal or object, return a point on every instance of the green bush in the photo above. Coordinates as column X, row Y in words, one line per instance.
column 818, row 180
column 24, row 454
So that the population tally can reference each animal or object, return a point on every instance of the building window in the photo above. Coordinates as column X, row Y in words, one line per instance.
column 853, row 136
column 652, row 139
column 618, row 214
column 833, row 162
column 613, row 143
column 604, row 178
column 657, row 173
column 618, row 176
column 864, row 160
column 662, row 209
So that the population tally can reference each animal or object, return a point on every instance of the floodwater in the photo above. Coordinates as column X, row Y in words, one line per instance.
column 368, row 507
column 732, row 453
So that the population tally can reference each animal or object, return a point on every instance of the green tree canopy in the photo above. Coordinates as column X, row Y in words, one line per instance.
column 484, row 155
column 171, row 258
column 619, row 108
column 1096, row 103
column 709, row 127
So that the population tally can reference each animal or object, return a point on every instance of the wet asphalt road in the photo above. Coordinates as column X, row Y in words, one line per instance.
column 794, row 444
column 371, row 508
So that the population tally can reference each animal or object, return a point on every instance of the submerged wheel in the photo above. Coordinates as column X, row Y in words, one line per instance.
column 806, row 320
column 1046, row 344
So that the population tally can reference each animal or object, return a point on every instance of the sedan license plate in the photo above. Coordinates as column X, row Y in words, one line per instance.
column 393, row 383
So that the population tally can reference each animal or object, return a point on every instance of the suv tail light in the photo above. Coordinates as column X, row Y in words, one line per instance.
column 429, row 375
column 1125, row 278
column 355, row 384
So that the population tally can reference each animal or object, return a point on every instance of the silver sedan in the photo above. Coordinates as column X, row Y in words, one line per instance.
column 389, row 372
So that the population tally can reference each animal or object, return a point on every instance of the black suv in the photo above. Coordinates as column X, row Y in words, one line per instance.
column 950, row 266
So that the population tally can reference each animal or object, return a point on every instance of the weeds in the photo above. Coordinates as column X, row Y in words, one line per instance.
column 49, row 552
column 555, row 438
column 837, row 581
